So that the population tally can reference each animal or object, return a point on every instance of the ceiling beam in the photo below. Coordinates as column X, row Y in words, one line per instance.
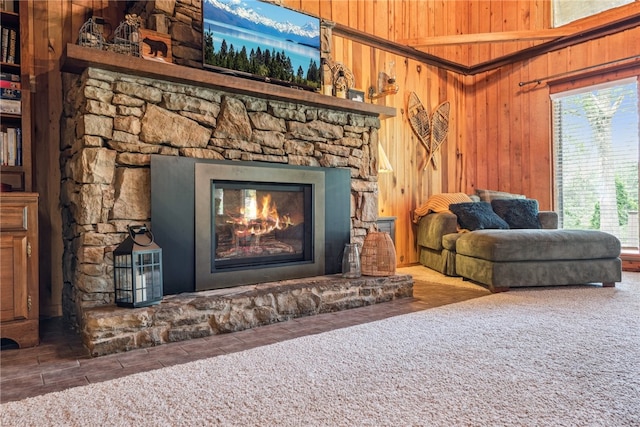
column 626, row 23
column 500, row 37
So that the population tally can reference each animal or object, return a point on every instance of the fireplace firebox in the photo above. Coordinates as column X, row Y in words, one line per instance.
column 228, row 223
column 260, row 224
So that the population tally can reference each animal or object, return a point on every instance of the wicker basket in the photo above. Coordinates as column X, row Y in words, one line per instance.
column 378, row 256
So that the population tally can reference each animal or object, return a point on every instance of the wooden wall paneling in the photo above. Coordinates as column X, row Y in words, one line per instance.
column 456, row 135
column 27, row 70
column 325, row 10
column 615, row 46
column 419, row 21
column 525, row 128
column 478, row 159
column 444, row 94
column 484, row 52
column 468, row 143
column 439, row 26
column 381, row 19
column 40, row 144
column 493, row 130
column 540, row 135
column 523, row 21
column 80, row 12
column 356, row 49
column 352, row 8
column 462, row 19
column 397, row 17
column 46, row 144
column 470, row 139
column 504, row 129
column 511, row 144
column 112, row 14
column 516, row 170
column 409, row 12
column 361, row 18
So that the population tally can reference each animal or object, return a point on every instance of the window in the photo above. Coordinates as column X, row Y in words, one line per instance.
column 565, row 11
column 596, row 145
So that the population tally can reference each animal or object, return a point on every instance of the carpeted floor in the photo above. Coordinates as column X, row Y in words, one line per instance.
column 565, row 356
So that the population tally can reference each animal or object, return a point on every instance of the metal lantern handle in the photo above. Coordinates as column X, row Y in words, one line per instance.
column 135, row 230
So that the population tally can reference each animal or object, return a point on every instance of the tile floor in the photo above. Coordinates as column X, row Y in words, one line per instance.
column 61, row 362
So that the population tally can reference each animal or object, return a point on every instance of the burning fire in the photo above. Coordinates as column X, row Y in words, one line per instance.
column 261, row 221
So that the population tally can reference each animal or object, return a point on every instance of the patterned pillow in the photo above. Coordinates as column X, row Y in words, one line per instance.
column 440, row 203
column 518, row 213
column 477, row 216
column 489, row 195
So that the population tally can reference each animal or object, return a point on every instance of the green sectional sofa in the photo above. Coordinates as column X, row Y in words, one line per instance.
column 506, row 258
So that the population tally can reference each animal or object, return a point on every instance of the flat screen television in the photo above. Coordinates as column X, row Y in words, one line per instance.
column 262, row 41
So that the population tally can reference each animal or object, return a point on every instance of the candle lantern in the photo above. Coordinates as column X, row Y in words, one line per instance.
column 137, row 269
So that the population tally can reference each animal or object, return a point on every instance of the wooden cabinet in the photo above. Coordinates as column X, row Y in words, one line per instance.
column 15, row 97
column 19, row 268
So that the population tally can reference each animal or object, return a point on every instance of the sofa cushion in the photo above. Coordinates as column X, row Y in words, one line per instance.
column 449, row 241
column 477, row 216
column 538, row 245
column 489, row 195
column 518, row 213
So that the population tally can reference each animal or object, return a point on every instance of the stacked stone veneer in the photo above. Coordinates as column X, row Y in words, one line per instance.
column 201, row 314
column 112, row 124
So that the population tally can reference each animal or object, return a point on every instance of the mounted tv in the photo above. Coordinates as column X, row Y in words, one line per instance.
column 262, row 41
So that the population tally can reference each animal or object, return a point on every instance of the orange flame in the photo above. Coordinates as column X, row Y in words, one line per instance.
column 268, row 220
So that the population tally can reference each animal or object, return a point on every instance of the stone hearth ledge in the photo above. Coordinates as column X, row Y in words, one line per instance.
column 190, row 315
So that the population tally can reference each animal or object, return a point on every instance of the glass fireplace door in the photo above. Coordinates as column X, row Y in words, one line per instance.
column 257, row 224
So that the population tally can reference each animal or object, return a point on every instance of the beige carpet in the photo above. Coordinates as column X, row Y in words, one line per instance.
column 566, row 356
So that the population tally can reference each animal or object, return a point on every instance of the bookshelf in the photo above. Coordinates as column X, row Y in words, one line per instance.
column 15, row 98
column 19, row 288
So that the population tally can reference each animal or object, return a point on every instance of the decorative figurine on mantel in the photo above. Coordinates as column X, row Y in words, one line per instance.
column 340, row 85
column 90, row 35
column 343, row 79
column 126, row 38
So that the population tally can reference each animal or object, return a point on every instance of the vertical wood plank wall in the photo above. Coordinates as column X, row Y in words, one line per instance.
column 499, row 132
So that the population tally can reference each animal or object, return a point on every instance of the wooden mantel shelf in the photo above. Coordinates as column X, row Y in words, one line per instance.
column 77, row 58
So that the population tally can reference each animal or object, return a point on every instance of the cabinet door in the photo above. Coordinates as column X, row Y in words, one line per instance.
column 13, row 277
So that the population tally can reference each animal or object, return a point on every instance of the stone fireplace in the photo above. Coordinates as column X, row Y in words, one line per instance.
column 115, row 122
column 247, row 222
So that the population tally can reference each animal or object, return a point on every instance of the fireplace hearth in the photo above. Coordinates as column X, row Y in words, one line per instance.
column 130, row 145
column 223, row 224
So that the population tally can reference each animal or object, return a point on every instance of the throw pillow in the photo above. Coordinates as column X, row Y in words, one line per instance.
column 489, row 195
column 477, row 216
column 440, row 203
column 518, row 213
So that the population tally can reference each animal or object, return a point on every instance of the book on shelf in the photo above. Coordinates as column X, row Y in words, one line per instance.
column 4, row 43
column 12, row 54
column 10, row 101
column 8, row 84
column 8, row 6
column 9, row 93
column 11, row 147
column 10, row 106
column 19, row 146
column 10, row 77
column 4, row 151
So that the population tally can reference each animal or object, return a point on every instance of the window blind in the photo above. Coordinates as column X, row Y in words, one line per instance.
column 596, row 156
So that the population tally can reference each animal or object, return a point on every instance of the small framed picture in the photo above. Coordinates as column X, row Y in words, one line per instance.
column 155, row 46
column 355, row 95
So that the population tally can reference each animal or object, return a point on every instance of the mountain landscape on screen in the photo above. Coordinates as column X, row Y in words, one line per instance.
column 263, row 40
